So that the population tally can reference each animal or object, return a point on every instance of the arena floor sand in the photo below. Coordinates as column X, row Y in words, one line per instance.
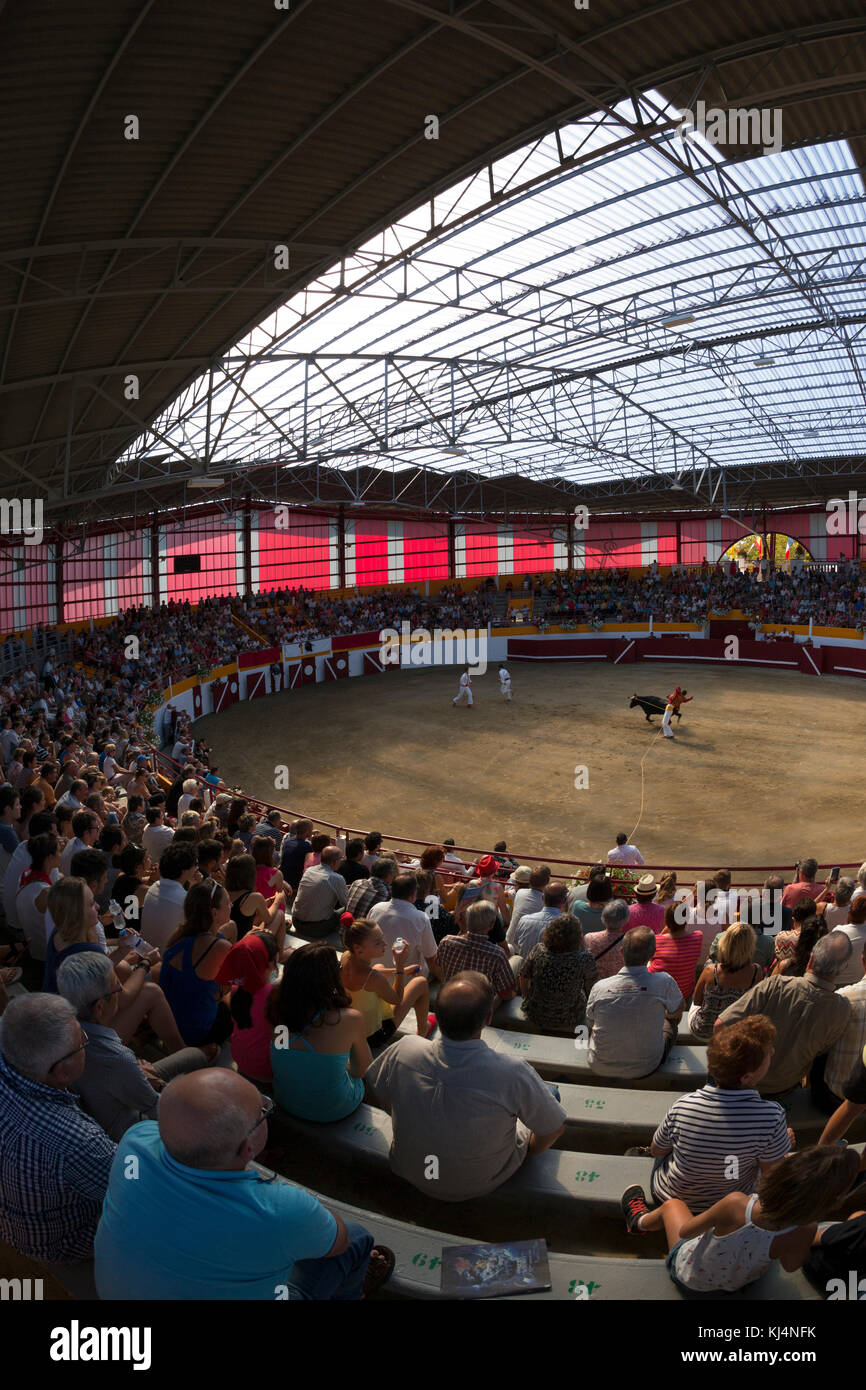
column 765, row 767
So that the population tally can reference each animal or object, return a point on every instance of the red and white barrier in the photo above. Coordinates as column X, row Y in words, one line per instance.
column 302, row 672
column 337, row 666
column 224, row 693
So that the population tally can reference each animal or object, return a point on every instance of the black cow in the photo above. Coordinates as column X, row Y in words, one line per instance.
column 651, row 704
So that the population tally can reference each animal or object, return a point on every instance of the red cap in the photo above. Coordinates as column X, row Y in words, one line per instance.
column 486, row 867
column 246, row 964
column 346, row 919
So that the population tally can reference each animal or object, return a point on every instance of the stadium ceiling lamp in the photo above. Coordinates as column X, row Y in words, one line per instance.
column 764, row 362
column 455, row 450
column 205, row 482
column 676, row 486
column 676, row 320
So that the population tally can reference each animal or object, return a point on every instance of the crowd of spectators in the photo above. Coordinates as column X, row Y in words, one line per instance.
column 832, row 598
column 179, row 965
column 300, row 615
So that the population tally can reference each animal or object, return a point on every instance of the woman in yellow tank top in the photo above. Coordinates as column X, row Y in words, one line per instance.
column 383, row 1005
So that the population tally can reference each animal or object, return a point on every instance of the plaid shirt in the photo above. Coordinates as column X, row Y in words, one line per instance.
column 54, row 1166
column 364, row 893
column 476, row 951
column 845, row 1053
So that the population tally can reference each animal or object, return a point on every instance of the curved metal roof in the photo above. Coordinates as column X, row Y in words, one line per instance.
column 260, row 128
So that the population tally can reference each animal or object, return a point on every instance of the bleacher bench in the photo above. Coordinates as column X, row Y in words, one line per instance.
column 511, row 1017
column 613, row 1119
column 418, row 1265
column 683, row 1069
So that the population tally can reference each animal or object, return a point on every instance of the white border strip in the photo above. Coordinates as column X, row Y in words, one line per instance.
column 625, row 650
column 855, row 670
column 724, row 660
column 809, row 658
column 590, row 656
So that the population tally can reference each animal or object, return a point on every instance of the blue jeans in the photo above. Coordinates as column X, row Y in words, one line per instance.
column 554, row 1090
column 340, row 1278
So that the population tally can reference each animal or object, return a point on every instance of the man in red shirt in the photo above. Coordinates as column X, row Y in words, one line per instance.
column 679, row 697
column 804, row 886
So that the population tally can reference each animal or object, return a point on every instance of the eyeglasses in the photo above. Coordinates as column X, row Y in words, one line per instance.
column 108, row 994
column 267, row 1109
column 85, row 1042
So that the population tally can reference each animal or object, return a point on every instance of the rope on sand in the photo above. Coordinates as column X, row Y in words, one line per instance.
column 642, row 779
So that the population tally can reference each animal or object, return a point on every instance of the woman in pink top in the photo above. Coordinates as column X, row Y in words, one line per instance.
column 247, row 968
column 678, row 951
column 269, row 880
column 319, row 842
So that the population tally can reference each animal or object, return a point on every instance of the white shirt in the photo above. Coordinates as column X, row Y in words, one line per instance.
column 526, row 902
column 155, row 839
column 12, row 878
column 162, row 912
column 400, row 918
column 31, row 922
column 66, row 857
column 465, row 680
column 625, row 854
column 852, row 972
column 504, row 677
column 531, row 929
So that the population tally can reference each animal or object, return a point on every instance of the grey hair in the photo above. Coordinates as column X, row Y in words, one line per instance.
column 215, row 1139
column 831, row 954
column 614, row 914
column 844, row 891
column 35, row 1031
column 480, row 916
column 861, row 875
column 190, row 786
column 83, row 979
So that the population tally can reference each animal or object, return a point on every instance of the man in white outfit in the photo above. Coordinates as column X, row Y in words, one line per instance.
column 504, row 683
column 464, row 694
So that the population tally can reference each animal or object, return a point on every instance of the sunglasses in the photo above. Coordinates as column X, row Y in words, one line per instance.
column 267, row 1110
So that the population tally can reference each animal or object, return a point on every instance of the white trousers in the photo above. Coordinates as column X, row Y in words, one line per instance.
column 666, row 722
column 505, row 689
column 463, row 696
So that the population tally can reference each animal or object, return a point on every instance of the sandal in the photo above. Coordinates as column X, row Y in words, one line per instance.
column 379, row 1270
column 10, row 975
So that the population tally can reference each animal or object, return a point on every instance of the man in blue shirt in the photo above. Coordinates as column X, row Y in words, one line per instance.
column 186, row 1218
column 10, row 810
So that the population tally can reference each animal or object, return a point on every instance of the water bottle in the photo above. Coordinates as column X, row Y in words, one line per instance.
column 127, row 931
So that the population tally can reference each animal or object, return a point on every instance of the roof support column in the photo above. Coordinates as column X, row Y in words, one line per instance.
column 341, row 546
column 247, row 547
column 154, row 562
column 58, row 579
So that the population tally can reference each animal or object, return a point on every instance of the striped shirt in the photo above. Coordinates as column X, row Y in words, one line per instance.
column 704, row 1131
column 54, row 1166
column 845, row 1052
